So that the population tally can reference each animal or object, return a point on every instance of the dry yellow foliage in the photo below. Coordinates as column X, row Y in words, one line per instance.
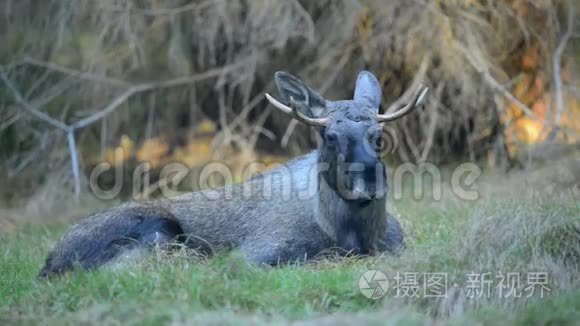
column 531, row 59
column 121, row 153
column 206, row 126
column 154, row 151
column 196, row 152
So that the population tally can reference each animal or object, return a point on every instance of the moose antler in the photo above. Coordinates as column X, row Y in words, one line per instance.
column 416, row 100
column 293, row 109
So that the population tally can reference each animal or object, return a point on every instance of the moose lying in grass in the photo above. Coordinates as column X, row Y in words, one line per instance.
column 334, row 196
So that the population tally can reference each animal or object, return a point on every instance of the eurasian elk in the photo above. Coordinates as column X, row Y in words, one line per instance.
column 335, row 195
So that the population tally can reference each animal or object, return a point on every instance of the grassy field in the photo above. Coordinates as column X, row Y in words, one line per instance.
column 531, row 226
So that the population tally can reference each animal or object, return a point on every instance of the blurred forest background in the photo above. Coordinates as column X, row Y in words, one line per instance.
column 183, row 81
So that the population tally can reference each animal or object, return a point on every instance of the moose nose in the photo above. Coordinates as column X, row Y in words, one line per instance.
column 367, row 166
column 359, row 189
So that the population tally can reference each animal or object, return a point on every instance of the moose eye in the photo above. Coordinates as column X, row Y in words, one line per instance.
column 379, row 143
column 376, row 140
column 331, row 137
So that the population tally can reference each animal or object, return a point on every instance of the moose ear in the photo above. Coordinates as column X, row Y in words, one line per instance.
column 368, row 89
column 309, row 101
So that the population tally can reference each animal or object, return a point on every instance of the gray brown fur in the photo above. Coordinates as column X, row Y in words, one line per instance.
column 266, row 229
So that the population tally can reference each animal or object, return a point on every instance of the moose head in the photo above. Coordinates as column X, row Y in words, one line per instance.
column 351, row 132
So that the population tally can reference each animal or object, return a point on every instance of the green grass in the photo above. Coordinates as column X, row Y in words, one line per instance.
column 167, row 286
column 517, row 233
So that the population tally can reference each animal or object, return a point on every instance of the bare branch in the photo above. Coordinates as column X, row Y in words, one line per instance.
column 242, row 116
column 150, row 86
column 415, row 101
column 432, row 125
column 260, row 130
column 415, row 84
column 9, row 121
column 70, row 129
column 575, row 90
column 409, row 140
column 165, row 11
column 48, row 96
column 130, row 91
column 557, row 68
column 72, row 148
column 495, row 85
column 28, row 107
column 110, row 107
column 74, row 73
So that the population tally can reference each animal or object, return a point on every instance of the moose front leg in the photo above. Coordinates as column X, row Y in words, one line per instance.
column 350, row 241
column 361, row 235
column 394, row 239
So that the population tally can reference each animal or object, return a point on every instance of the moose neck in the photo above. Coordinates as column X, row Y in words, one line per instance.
column 353, row 225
